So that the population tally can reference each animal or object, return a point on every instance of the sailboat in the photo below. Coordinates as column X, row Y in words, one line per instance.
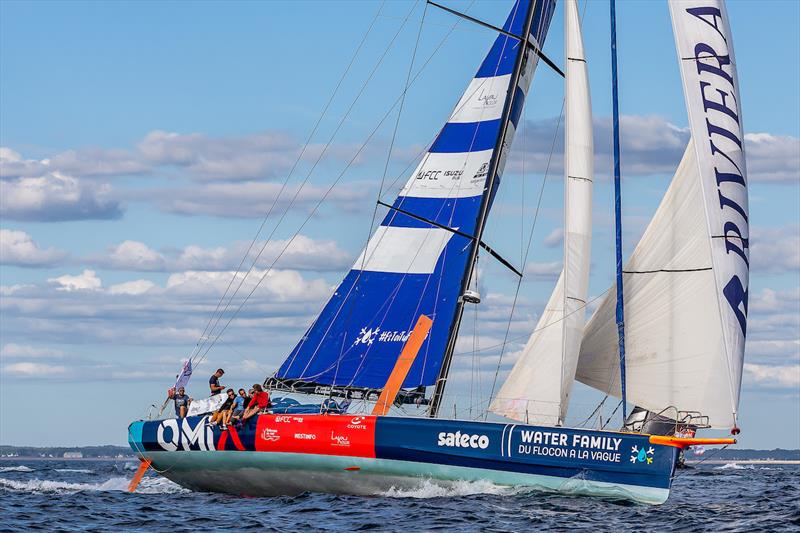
column 387, row 335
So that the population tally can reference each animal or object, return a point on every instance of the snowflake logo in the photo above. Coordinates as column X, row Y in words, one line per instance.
column 367, row 336
column 642, row 456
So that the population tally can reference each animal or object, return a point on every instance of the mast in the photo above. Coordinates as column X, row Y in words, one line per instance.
column 494, row 164
column 618, row 209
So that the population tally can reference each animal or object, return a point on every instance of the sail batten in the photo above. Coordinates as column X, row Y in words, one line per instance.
column 410, row 267
column 539, row 385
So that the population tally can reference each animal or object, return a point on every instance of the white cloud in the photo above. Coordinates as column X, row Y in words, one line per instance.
column 136, row 287
column 775, row 250
column 651, row 145
column 18, row 248
column 12, row 350
column 54, row 196
column 302, row 253
column 87, row 280
column 772, row 158
column 554, row 238
column 132, row 255
column 785, row 376
column 285, row 285
column 34, row 370
column 543, row 271
column 785, row 349
column 252, row 199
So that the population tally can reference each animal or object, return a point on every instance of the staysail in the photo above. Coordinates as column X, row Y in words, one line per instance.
column 413, row 264
column 686, row 282
column 537, row 389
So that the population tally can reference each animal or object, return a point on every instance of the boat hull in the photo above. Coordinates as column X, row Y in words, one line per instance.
column 287, row 455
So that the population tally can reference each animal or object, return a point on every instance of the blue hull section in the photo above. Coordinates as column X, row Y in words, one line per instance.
column 399, row 452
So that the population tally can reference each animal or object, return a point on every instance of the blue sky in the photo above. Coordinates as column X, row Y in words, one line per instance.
column 143, row 142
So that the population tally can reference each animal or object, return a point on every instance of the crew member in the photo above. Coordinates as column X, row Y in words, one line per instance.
column 213, row 382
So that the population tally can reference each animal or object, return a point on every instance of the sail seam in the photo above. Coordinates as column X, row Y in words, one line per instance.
column 667, row 270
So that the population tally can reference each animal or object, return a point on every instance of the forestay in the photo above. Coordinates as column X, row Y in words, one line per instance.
column 411, row 267
column 686, row 283
column 539, row 385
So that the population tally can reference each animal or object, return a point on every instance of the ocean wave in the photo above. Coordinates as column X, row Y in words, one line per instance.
column 20, row 468
column 75, row 470
column 150, row 485
column 429, row 489
column 734, row 466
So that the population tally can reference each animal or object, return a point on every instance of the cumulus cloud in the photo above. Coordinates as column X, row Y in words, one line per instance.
column 554, row 238
column 259, row 156
column 301, row 253
column 13, row 350
column 34, row 370
column 543, row 271
column 85, row 281
column 775, row 250
column 251, row 199
column 772, row 158
column 134, row 288
column 81, row 309
column 54, row 197
column 774, row 376
column 651, row 145
column 19, row 249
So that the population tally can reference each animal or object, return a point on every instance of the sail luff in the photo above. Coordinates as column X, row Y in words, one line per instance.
column 540, row 383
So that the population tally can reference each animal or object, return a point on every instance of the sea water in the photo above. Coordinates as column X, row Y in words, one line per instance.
column 56, row 495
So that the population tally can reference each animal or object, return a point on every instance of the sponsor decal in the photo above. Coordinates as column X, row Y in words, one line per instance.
column 488, row 100
column 367, row 336
column 178, row 433
column 357, row 422
column 569, row 446
column 434, row 175
column 305, row 436
column 462, row 440
column 270, row 434
column 717, row 93
column 340, row 440
column 642, row 456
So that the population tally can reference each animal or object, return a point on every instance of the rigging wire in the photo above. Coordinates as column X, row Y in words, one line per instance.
column 416, row 76
column 324, row 197
column 302, row 185
column 350, row 64
column 527, row 251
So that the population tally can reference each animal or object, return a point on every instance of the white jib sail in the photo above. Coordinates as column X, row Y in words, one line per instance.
column 537, row 389
column 686, row 286
column 673, row 338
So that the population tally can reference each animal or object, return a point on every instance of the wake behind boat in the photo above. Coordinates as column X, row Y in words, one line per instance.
column 671, row 343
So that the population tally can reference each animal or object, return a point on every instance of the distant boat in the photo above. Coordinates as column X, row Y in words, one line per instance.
column 388, row 333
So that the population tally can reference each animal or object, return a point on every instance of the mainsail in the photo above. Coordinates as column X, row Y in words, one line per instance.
column 686, row 282
column 538, row 387
column 413, row 264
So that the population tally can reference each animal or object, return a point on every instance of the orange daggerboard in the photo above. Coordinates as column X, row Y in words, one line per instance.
column 137, row 477
column 403, row 365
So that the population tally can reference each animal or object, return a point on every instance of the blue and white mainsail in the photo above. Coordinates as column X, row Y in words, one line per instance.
column 410, row 266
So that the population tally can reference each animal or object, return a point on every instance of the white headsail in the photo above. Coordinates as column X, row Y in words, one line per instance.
column 539, row 385
column 686, row 282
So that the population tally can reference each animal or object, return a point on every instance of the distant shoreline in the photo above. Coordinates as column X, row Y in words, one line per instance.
column 70, row 459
